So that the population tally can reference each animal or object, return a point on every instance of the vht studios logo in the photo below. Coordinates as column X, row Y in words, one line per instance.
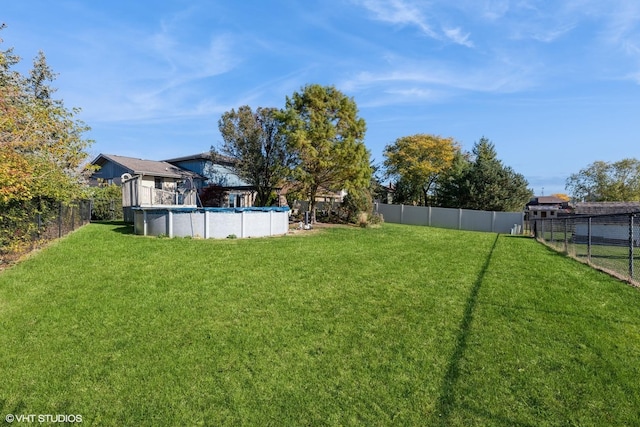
column 43, row 418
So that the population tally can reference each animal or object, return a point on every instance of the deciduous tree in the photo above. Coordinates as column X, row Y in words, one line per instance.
column 41, row 145
column 257, row 144
column 606, row 181
column 41, row 140
column 418, row 160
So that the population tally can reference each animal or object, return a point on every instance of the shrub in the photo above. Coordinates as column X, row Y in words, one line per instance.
column 355, row 204
column 106, row 202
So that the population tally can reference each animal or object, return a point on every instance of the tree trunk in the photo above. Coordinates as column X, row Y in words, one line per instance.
column 312, row 210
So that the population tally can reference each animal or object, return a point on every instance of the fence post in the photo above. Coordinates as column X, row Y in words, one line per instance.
column 589, row 240
column 551, row 225
column 566, row 241
column 169, row 223
column 59, row 219
column 206, row 223
column 631, row 245
column 401, row 213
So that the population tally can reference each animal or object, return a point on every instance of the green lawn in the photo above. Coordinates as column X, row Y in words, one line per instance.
column 397, row 325
column 614, row 259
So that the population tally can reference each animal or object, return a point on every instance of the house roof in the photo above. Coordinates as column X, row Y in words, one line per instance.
column 546, row 200
column 202, row 156
column 604, row 208
column 145, row 167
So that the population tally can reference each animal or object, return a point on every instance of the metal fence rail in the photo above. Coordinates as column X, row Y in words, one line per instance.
column 608, row 242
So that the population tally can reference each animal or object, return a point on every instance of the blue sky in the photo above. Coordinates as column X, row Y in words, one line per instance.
column 555, row 85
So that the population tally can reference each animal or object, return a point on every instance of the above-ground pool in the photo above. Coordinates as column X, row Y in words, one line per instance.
column 215, row 223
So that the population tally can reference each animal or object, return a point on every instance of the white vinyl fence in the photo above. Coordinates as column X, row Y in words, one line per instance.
column 459, row 219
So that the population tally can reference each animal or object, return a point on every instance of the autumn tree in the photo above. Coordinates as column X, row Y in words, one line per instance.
column 418, row 160
column 41, row 144
column 326, row 136
column 606, row 181
column 40, row 138
column 257, row 144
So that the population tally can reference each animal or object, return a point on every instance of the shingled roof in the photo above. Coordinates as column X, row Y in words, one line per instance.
column 145, row 167
column 220, row 159
column 605, row 208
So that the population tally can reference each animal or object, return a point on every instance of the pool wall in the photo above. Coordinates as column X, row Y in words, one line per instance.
column 210, row 223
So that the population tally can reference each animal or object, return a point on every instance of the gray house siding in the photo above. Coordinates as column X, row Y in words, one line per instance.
column 110, row 172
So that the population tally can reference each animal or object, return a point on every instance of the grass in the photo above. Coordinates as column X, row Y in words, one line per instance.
column 397, row 325
column 610, row 258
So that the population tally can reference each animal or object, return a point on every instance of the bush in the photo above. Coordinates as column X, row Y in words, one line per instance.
column 356, row 207
column 106, row 202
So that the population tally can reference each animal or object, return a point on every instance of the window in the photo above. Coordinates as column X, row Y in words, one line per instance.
column 235, row 200
column 158, row 183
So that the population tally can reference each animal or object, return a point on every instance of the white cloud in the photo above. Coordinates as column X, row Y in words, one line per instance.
column 407, row 13
column 493, row 10
column 399, row 12
column 455, row 34
column 422, row 78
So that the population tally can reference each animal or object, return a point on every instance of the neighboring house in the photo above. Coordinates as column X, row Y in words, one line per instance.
column 147, row 182
column 178, row 181
column 218, row 172
column 604, row 229
column 606, row 208
column 158, row 183
column 157, row 175
column 546, row 207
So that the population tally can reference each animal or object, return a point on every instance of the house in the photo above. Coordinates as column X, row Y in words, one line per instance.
column 147, row 182
column 156, row 175
column 606, row 208
column 177, row 181
column 605, row 223
column 218, row 172
column 546, row 207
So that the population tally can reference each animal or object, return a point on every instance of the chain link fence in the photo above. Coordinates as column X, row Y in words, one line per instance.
column 608, row 242
column 23, row 229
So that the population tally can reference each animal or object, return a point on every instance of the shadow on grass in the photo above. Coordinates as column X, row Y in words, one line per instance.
column 446, row 401
column 121, row 226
